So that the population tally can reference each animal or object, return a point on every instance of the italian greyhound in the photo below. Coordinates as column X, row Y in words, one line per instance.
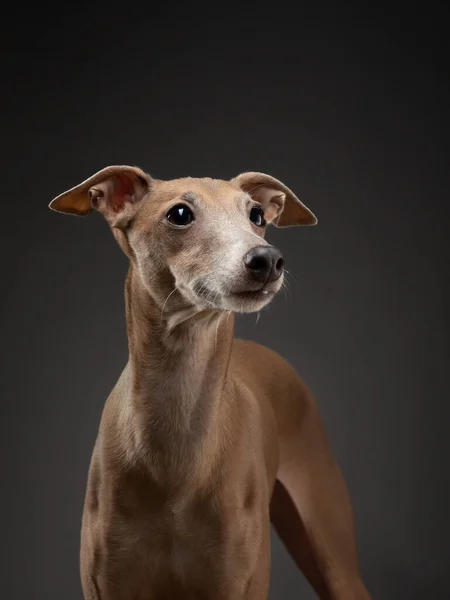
column 206, row 439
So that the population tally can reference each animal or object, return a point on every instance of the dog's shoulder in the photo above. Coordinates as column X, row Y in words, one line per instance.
column 253, row 358
column 272, row 376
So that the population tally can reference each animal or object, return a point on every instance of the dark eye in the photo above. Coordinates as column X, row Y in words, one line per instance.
column 257, row 216
column 180, row 215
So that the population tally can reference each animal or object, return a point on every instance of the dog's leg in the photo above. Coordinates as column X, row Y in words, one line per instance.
column 311, row 510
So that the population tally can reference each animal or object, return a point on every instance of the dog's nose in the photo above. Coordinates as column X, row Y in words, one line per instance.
column 265, row 263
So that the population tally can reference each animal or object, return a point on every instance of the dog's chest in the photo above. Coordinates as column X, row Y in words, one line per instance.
column 206, row 548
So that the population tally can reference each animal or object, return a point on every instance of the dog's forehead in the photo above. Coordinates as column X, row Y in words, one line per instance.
column 207, row 188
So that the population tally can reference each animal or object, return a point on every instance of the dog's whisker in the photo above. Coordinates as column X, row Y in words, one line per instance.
column 217, row 331
column 209, row 299
column 285, row 288
column 165, row 302
column 289, row 273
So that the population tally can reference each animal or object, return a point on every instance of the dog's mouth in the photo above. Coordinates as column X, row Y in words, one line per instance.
column 260, row 294
column 237, row 299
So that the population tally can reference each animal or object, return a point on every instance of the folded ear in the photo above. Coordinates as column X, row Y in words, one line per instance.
column 114, row 191
column 281, row 206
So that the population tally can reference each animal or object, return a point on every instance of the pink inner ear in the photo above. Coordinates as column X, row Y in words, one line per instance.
column 123, row 192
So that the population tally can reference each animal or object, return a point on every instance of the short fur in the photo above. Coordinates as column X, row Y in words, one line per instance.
column 205, row 438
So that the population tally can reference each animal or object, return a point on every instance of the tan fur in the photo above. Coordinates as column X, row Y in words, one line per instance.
column 205, row 438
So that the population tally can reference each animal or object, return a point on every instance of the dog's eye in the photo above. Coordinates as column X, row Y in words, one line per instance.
column 180, row 215
column 257, row 216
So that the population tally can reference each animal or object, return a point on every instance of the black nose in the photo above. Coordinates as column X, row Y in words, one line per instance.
column 265, row 263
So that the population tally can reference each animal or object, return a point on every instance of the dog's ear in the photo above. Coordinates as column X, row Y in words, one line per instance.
column 281, row 206
column 115, row 192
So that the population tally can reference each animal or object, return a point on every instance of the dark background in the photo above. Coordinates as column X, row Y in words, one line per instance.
column 349, row 108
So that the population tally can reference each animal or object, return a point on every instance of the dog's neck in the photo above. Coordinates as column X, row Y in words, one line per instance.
column 178, row 365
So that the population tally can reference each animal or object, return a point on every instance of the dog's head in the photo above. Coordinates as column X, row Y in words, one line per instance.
column 200, row 240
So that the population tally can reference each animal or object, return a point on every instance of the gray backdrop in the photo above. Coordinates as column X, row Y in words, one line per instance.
column 350, row 110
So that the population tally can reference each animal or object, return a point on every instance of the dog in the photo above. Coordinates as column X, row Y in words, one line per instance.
column 206, row 440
